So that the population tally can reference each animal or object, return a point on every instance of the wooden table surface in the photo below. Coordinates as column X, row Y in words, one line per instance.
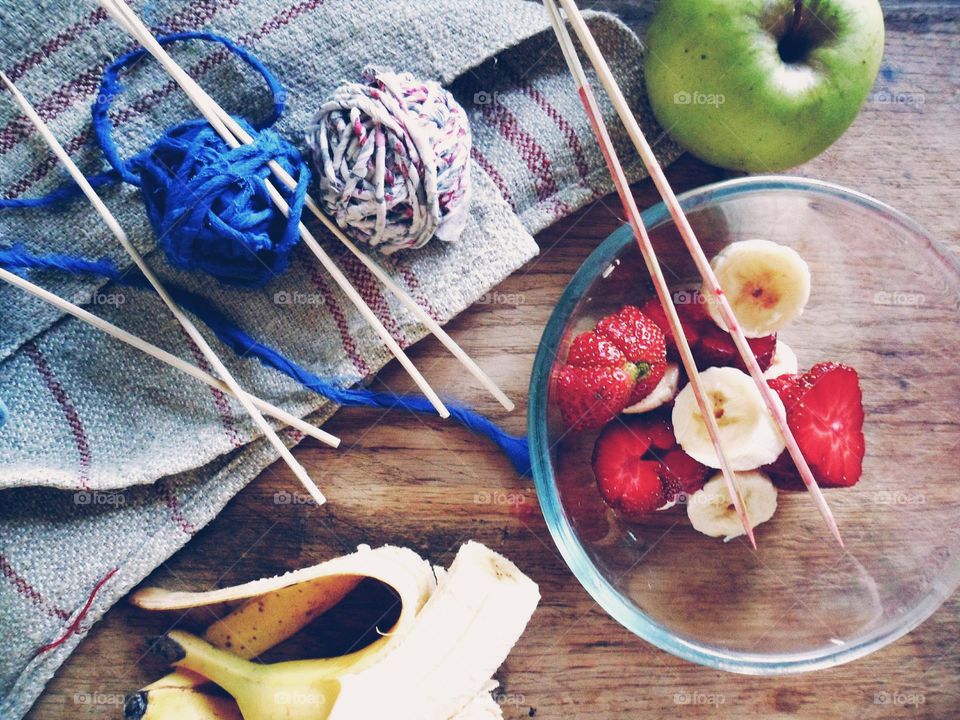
column 415, row 481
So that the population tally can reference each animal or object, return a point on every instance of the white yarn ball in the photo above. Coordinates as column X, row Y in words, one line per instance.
column 393, row 158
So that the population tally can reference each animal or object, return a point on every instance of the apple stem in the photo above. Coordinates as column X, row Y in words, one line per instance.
column 797, row 14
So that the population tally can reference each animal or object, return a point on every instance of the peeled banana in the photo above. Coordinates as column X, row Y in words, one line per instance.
column 766, row 284
column 474, row 616
column 273, row 610
column 711, row 510
column 748, row 435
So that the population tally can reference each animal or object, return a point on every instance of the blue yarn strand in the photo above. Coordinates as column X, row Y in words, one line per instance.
column 516, row 449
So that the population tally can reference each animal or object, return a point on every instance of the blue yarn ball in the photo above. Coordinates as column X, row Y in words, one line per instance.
column 209, row 207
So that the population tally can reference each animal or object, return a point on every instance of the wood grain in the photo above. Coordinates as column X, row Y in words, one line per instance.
column 430, row 485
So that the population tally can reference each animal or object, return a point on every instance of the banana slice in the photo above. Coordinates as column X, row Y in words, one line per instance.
column 767, row 285
column 661, row 394
column 710, row 508
column 748, row 434
column 784, row 361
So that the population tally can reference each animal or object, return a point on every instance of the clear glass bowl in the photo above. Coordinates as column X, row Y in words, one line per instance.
column 884, row 300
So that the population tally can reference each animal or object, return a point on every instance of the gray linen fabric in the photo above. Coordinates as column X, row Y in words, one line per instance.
column 133, row 457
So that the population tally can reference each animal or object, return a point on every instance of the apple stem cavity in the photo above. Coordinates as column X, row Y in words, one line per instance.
column 793, row 46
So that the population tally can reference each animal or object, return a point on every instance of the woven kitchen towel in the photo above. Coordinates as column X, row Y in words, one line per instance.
column 134, row 457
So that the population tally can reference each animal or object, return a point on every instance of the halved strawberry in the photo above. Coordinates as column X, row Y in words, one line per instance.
column 681, row 474
column 660, row 429
column 825, row 412
column 628, row 481
column 641, row 341
column 788, row 387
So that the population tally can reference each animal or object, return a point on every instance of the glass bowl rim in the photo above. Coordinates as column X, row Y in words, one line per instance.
column 573, row 552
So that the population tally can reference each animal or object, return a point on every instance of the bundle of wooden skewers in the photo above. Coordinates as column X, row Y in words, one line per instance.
column 234, row 135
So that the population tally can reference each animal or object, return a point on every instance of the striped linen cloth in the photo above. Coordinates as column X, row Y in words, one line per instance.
column 109, row 461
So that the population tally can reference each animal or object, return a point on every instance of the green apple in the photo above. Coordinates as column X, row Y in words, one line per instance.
column 761, row 85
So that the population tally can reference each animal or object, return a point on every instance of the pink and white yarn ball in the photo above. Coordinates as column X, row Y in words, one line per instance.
column 392, row 155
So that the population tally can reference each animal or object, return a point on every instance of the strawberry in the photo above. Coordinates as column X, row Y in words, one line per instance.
column 591, row 397
column 825, row 412
column 639, row 466
column 680, row 474
column 717, row 348
column 711, row 345
column 590, row 349
column 642, row 343
column 660, row 429
column 788, row 387
column 692, row 315
column 628, row 481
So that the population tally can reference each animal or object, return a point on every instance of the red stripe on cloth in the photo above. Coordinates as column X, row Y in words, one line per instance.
column 579, row 159
column 526, row 145
column 28, row 591
column 170, row 499
column 346, row 339
column 74, row 627
column 494, row 174
column 86, row 83
column 57, row 42
column 220, row 400
column 69, row 410
column 416, row 291
column 369, row 288
column 148, row 101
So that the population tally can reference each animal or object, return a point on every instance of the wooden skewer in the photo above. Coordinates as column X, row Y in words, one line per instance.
column 164, row 356
column 649, row 256
column 181, row 317
column 219, row 121
column 696, row 251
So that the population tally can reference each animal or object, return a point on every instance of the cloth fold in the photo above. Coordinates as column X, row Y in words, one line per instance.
column 135, row 459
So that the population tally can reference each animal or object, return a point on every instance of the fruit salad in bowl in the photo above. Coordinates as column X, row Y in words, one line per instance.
column 629, row 479
column 627, row 365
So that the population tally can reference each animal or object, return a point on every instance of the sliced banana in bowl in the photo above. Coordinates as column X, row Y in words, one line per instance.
column 748, row 434
column 784, row 361
column 766, row 284
column 711, row 510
